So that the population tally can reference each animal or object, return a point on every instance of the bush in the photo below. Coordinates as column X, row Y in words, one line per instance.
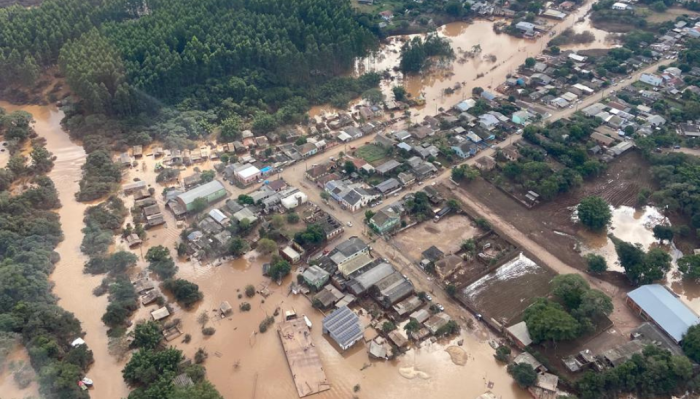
column 292, row 218
column 200, row 356
column 266, row 323
column 523, row 374
column 249, row 291
column 503, row 354
column 596, row 264
column 244, row 307
column 208, row 331
column 186, row 293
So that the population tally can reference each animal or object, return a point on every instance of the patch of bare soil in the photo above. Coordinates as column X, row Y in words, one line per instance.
column 458, row 355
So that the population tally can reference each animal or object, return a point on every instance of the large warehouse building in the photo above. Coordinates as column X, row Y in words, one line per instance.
column 211, row 191
column 655, row 303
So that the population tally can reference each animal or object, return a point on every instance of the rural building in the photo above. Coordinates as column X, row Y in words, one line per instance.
column 290, row 254
column 688, row 130
column 385, row 220
column 621, row 147
column 387, row 166
column 392, row 289
column 388, row 186
column 315, row 277
column 420, row 315
column 246, row 174
column 465, row 150
column 519, row 334
column 522, row 117
column 525, row 27
column 191, row 181
column 294, row 200
column 527, row 358
column 545, row 387
column 485, row 164
column 656, row 304
column 134, row 187
column 211, row 191
column 437, row 321
column 621, row 6
column 219, row 217
column 408, row 305
column 328, row 296
column 363, row 282
column 651, row 79
column 343, row 326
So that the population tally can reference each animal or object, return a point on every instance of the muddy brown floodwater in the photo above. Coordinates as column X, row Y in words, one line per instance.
column 509, row 52
column 71, row 286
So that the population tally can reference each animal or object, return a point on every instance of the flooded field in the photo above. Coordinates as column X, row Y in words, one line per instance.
column 500, row 56
column 603, row 39
column 447, row 235
column 628, row 224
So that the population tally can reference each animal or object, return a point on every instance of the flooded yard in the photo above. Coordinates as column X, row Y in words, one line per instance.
column 628, row 224
column 447, row 235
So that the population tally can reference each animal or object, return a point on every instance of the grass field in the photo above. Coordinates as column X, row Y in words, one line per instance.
column 371, row 153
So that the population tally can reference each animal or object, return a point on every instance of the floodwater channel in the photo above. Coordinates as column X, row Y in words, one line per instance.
column 242, row 363
column 500, row 55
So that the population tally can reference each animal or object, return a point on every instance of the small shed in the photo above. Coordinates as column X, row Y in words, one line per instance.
column 225, row 308
column 160, row 314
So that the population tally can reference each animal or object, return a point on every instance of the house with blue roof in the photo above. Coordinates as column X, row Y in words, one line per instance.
column 657, row 304
column 464, row 150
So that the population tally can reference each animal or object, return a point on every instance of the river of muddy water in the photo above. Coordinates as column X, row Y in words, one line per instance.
column 71, row 286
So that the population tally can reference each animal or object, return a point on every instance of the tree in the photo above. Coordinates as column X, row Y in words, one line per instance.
column 547, row 321
column 483, row 224
column 238, row 246
column 596, row 264
column 503, row 354
column 199, row 205
column 325, row 196
column 279, row 269
column 523, row 374
column 277, row 221
column 570, row 289
column 146, row 366
column 691, row 343
column 454, row 8
column 373, row 96
column 349, row 167
column 369, row 214
column 249, row 291
column 399, row 93
column 530, row 62
column 594, row 213
column 412, row 326
column 230, row 129
column 207, row 176
column 388, row 327
column 594, row 303
column 642, row 268
column 186, row 293
column 41, row 160
column 451, row 290
column 468, row 245
column 245, row 200
column 663, row 232
column 689, row 266
column 147, row 335
column 160, row 262
column 464, row 172
column 266, row 246
column 293, row 218
column 203, row 390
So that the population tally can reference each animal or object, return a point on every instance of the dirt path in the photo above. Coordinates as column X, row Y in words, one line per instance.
column 623, row 318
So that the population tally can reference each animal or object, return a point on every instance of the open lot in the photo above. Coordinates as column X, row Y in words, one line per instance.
column 503, row 294
column 549, row 224
column 371, row 153
column 495, row 250
column 447, row 235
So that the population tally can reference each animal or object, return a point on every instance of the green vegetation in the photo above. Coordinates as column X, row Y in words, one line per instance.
column 388, row 327
column 691, row 343
column 568, row 36
column 419, row 206
column 101, row 223
column 238, row 246
column 313, row 235
column 689, row 266
column 418, row 53
column 167, row 174
column 596, row 263
column 642, row 268
column 594, row 213
column 548, row 321
column 502, row 354
column 147, row 335
column 523, row 374
column 279, row 268
column 160, row 262
column 464, row 172
column 371, row 153
column 31, row 230
column 118, row 262
column 654, row 373
column 266, row 246
column 186, row 293
column 101, row 176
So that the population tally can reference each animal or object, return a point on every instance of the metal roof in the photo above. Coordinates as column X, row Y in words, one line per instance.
column 343, row 325
column 667, row 311
column 202, row 191
column 373, row 276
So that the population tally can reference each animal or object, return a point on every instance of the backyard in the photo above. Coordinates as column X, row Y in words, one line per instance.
column 371, row 153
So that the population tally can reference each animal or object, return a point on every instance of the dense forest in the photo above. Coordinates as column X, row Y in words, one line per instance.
column 156, row 65
column 29, row 232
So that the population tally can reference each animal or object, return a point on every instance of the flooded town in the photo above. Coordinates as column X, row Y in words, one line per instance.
column 489, row 201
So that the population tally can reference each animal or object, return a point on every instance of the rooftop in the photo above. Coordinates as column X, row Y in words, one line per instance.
column 672, row 315
column 343, row 326
column 202, row 191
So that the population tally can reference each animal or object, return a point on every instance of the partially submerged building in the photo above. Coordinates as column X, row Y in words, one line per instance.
column 657, row 304
column 343, row 326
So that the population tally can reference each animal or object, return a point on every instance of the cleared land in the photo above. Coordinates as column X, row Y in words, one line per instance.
column 371, row 153
column 505, row 293
column 447, row 235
